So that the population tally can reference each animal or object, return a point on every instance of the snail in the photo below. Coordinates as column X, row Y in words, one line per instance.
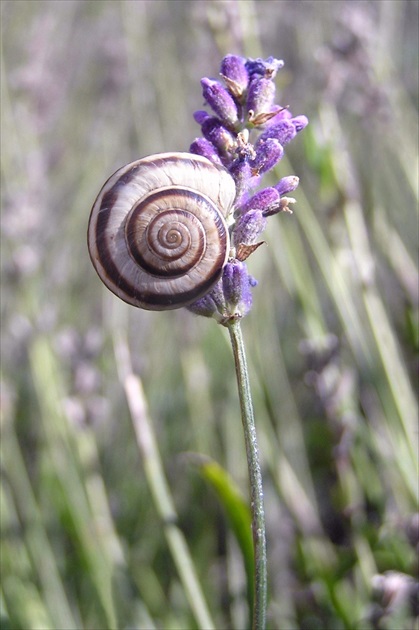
column 158, row 235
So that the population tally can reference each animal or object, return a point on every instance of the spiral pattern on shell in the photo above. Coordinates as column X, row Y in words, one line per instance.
column 157, row 232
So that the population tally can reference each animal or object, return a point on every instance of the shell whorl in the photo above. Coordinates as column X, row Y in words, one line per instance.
column 157, row 233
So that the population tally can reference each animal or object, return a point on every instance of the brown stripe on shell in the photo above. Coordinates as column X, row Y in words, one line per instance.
column 106, row 260
column 181, row 193
column 170, row 300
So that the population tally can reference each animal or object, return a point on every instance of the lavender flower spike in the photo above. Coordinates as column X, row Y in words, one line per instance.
column 246, row 134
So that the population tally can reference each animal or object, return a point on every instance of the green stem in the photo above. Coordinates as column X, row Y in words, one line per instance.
column 255, row 477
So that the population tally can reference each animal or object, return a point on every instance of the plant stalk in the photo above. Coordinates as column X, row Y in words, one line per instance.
column 255, row 476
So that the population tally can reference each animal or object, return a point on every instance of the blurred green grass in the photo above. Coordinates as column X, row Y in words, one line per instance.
column 332, row 338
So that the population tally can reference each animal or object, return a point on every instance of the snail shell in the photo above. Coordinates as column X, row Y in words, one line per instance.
column 157, row 235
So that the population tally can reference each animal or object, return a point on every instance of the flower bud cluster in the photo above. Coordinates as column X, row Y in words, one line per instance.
column 231, row 298
column 246, row 134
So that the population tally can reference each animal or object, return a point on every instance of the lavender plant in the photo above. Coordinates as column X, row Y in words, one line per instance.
column 246, row 134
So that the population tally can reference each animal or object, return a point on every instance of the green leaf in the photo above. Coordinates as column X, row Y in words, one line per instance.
column 237, row 512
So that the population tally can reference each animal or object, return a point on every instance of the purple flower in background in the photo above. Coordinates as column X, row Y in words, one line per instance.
column 246, row 133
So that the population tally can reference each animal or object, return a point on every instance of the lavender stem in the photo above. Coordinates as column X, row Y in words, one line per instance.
column 255, row 476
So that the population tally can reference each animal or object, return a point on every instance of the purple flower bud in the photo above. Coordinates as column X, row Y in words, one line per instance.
column 284, row 132
column 268, row 153
column 287, row 184
column 268, row 201
column 201, row 146
column 260, row 97
column 200, row 116
column 217, row 294
column 248, row 227
column 236, row 286
column 205, row 306
column 212, row 304
column 265, row 198
column 299, row 122
column 286, row 129
column 215, row 132
column 220, row 101
column 233, row 70
column 264, row 67
column 242, row 174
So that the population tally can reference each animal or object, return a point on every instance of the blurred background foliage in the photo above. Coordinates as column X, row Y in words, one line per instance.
column 332, row 340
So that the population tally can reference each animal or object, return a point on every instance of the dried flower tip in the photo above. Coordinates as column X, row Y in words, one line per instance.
column 282, row 114
column 201, row 146
column 261, row 119
column 243, row 138
column 244, row 251
column 264, row 67
column 233, row 71
column 220, row 101
column 244, row 149
column 268, row 153
column 283, row 206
